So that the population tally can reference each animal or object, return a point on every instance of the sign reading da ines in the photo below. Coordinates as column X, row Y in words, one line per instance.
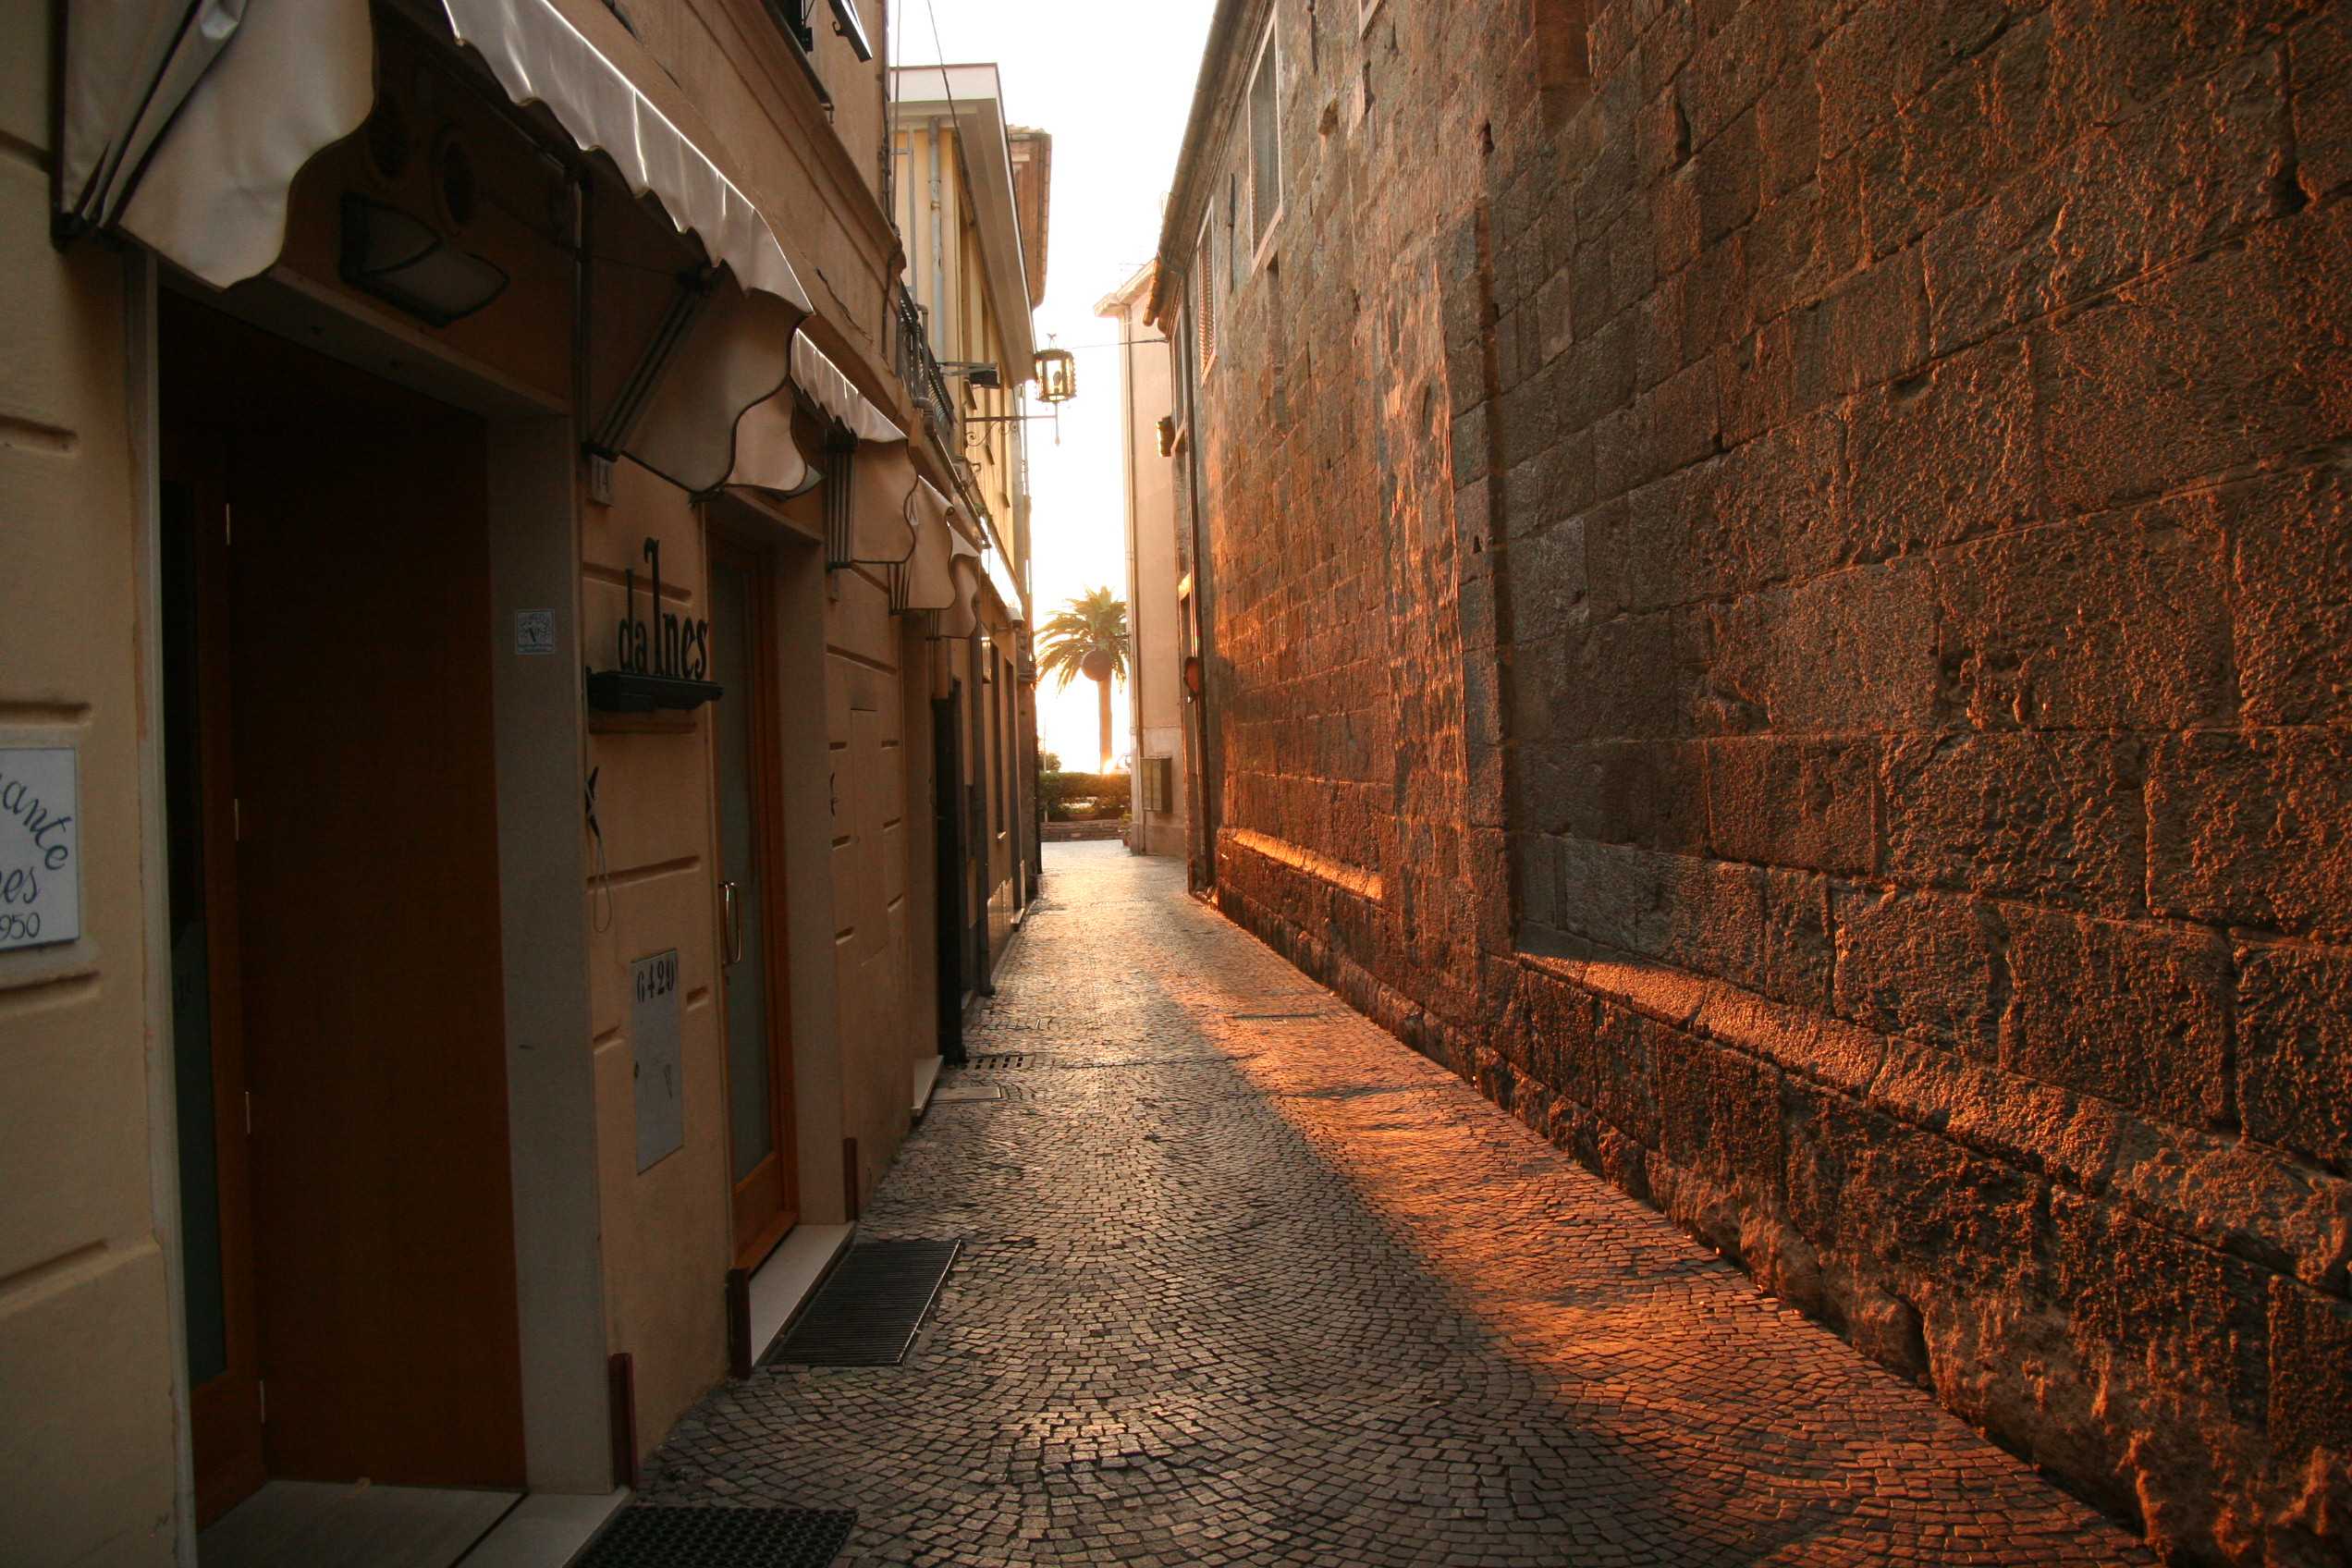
column 39, row 868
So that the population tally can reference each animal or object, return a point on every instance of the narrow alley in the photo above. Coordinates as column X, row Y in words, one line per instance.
column 1245, row 1280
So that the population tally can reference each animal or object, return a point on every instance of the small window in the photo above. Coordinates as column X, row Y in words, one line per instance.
column 1265, row 142
column 796, row 20
column 1233, row 226
column 1205, row 290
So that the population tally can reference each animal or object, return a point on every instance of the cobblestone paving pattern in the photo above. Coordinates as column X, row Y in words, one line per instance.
column 1247, row 1281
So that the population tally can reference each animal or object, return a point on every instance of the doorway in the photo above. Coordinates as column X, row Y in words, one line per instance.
column 754, row 971
column 336, row 965
column 953, row 929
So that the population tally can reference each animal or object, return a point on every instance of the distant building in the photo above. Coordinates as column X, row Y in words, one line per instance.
column 1156, row 579
column 968, row 290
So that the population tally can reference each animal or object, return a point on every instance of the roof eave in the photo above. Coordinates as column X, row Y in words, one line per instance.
column 1203, row 129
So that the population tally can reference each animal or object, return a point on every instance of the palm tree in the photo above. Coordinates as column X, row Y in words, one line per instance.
column 1088, row 637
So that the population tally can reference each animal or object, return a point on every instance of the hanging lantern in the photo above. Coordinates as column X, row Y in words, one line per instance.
column 1057, row 375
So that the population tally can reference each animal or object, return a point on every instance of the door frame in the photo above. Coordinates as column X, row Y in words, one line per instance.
column 214, row 460
column 535, row 563
column 224, row 1413
column 750, row 1243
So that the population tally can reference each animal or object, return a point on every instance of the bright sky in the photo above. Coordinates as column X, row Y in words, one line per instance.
column 1112, row 79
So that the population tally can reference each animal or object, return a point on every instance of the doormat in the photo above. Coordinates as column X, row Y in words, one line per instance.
column 652, row 1536
column 957, row 1094
column 867, row 1312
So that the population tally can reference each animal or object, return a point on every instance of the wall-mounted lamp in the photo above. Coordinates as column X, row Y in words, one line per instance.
column 1057, row 375
column 977, row 373
column 402, row 260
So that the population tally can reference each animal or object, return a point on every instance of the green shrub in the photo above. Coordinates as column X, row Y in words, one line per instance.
column 1085, row 797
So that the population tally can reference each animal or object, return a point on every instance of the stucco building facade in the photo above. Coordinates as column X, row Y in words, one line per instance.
column 490, row 615
column 1771, row 592
column 1157, row 579
column 963, row 176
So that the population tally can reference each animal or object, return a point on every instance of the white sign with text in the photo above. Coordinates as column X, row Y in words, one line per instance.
column 652, row 1036
column 40, row 848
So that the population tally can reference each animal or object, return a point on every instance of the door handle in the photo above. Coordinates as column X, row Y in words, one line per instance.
column 730, row 899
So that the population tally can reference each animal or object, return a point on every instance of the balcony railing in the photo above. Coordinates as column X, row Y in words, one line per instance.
column 919, row 369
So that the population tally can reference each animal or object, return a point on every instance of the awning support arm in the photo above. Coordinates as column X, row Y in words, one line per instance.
column 610, row 436
column 841, row 547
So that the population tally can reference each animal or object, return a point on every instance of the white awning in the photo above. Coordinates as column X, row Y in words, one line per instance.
column 738, row 352
column 539, row 58
column 962, row 617
column 831, row 389
column 943, row 574
column 884, row 529
column 187, row 120
column 930, row 586
column 1001, row 579
column 767, row 457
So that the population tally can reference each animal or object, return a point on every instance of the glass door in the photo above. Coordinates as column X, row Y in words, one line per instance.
column 752, row 971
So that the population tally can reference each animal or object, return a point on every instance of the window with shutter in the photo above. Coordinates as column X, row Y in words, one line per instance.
column 1204, row 291
column 1266, row 141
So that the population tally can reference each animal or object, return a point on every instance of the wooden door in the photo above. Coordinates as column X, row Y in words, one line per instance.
column 948, row 872
column 369, row 975
column 754, row 966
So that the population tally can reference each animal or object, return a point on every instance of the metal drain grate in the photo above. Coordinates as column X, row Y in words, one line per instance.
column 658, row 1536
column 867, row 1312
column 1000, row 1059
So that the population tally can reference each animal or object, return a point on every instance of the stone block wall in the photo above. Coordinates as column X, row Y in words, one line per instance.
column 1781, row 582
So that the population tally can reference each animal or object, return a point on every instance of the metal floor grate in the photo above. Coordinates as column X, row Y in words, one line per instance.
column 868, row 1309
column 1000, row 1061
column 652, row 1536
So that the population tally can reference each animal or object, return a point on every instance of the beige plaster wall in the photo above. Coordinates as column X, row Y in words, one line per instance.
column 667, row 1229
column 999, row 744
column 874, row 914
column 87, row 1447
column 945, row 272
column 916, row 664
column 1156, row 690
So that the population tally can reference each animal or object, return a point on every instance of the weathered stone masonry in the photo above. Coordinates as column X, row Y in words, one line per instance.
column 1780, row 589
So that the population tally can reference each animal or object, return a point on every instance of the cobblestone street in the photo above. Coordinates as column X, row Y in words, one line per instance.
column 1247, row 1281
